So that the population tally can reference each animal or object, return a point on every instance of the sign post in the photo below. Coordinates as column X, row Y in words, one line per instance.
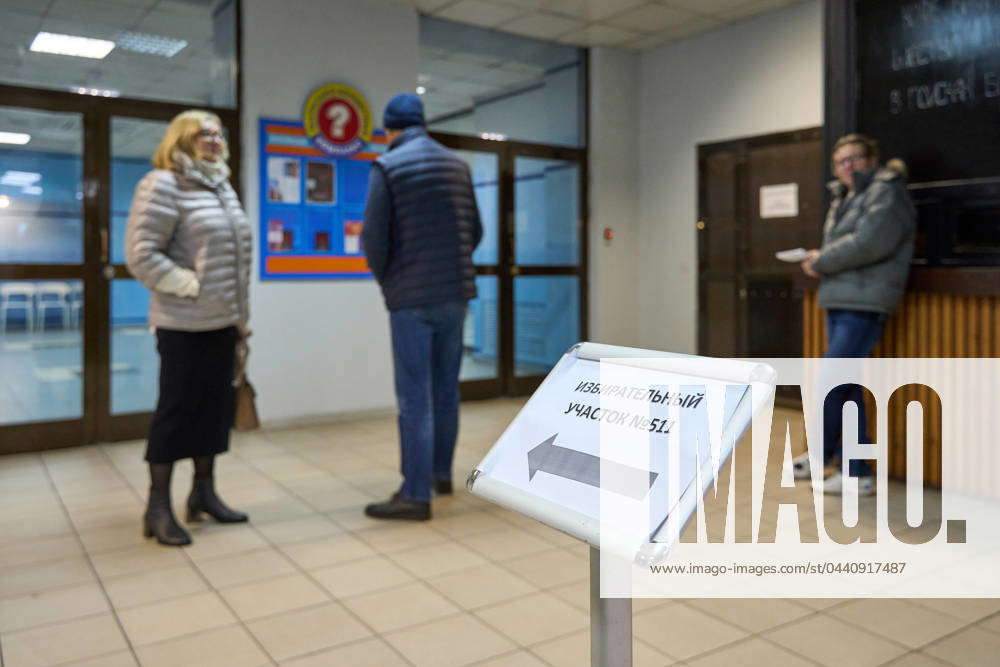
column 615, row 448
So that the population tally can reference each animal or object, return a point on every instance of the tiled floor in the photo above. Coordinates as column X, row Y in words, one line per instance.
column 313, row 582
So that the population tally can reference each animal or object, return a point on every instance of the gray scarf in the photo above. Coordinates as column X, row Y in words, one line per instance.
column 212, row 174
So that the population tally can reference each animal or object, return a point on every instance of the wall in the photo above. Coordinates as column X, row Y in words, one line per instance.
column 614, row 195
column 319, row 348
column 756, row 77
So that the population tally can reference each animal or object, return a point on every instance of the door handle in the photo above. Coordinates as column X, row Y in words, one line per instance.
column 515, row 270
column 108, row 272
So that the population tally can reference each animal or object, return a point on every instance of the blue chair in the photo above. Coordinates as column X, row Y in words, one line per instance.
column 18, row 297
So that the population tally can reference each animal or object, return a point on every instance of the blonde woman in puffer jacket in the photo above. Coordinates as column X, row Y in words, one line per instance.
column 189, row 242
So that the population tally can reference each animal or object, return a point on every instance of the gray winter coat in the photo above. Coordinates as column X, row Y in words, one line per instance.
column 867, row 244
column 188, row 221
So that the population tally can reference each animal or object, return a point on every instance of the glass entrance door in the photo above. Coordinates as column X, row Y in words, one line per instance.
column 530, row 264
column 42, row 276
column 77, row 362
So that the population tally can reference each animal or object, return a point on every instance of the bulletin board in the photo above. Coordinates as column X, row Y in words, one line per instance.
column 311, row 205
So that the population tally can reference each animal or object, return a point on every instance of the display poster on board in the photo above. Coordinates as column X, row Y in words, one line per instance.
column 313, row 185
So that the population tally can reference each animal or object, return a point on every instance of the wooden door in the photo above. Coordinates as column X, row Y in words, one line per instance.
column 747, row 304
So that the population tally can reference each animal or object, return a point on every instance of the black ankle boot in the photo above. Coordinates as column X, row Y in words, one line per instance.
column 159, row 521
column 204, row 499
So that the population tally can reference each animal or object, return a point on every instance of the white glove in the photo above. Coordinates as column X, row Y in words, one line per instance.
column 181, row 282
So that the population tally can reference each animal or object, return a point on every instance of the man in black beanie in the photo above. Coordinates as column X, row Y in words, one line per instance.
column 421, row 226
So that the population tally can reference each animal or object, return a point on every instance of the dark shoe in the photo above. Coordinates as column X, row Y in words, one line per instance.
column 159, row 521
column 204, row 499
column 442, row 487
column 400, row 508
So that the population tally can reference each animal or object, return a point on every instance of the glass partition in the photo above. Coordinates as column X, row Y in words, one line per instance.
column 174, row 50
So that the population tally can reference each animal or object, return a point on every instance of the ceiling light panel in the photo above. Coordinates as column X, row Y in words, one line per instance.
column 144, row 42
column 16, row 138
column 71, row 45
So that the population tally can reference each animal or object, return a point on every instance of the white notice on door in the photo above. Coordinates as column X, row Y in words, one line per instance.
column 779, row 201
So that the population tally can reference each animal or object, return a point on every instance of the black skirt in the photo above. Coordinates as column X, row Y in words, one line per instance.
column 195, row 410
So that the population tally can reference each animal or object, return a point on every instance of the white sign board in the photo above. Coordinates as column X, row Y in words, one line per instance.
column 617, row 427
column 779, row 201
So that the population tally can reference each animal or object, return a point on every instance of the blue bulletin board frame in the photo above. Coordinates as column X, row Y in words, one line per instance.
column 300, row 239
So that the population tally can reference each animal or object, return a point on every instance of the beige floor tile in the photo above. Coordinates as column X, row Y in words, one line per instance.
column 905, row 623
column 52, row 606
column 640, row 605
column 173, row 618
column 551, row 535
column 505, row 544
column 393, row 538
column 354, row 518
column 462, row 525
column 119, row 659
column 285, row 467
column 917, row 659
column 274, row 596
column 347, row 498
column 577, row 594
column 39, row 551
column 450, row 642
column 50, row 524
column 27, row 579
column 102, row 517
column 971, row 646
column 361, row 576
column 682, row 632
column 535, row 618
column 753, row 652
column 754, row 615
column 520, row 658
column 992, row 623
column 967, row 609
column 216, row 540
column 480, row 586
column 821, row 603
column 307, row 631
column 550, row 568
column 402, row 607
column 574, row 650
column 829, row 641
column 338, row 548
column 64, row 642
column 366, row 653
column 113, row 538
column 299, row 530
column 245, row 568
column 133, row 560
column 282, row 509
column 223, row 647
column 438, row 559
column 134, row 590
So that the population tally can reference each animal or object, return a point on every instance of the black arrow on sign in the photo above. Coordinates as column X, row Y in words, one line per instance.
column 586, row 468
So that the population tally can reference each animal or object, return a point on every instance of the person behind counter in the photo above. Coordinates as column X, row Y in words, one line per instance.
column 863, row 267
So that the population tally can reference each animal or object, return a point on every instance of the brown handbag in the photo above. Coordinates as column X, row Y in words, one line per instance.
column 245, row 417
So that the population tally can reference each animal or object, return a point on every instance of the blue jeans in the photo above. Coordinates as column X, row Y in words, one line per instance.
column 850, row 334
column 427, row 356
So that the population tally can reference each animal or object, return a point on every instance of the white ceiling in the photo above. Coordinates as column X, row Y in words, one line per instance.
column 630, row 24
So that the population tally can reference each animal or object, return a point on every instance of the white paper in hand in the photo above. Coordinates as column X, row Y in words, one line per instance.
column 793, row 255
